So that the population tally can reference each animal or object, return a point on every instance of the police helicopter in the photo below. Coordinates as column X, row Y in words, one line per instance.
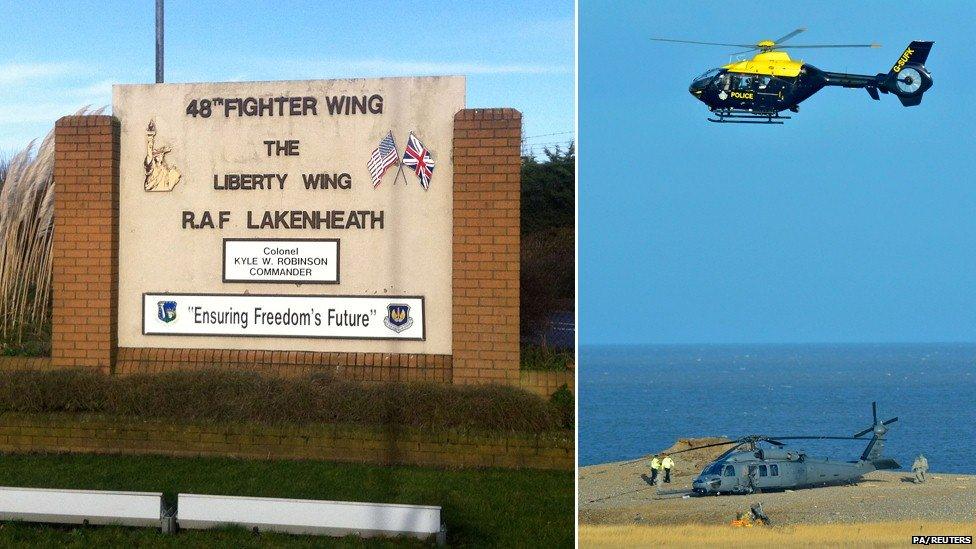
column 747, row 467
column 757, row 90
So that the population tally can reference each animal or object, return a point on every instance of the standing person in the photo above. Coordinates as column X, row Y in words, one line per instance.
column 751, row 478
column 667, row 463
column 920, row 467
column 655, row 468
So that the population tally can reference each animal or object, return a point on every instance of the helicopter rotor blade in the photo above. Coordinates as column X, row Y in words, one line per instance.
column 816, row 438
column 750, row 50
column 782, row 39
column 703, row 43
column 685, row 450
column 707, row 446
column 776, row 441
column 778, row 47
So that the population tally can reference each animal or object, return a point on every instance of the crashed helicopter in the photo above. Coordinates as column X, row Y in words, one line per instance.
column 747, row 467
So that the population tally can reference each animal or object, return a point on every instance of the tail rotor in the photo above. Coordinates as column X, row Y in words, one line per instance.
column 879, row 428
column 908, row 78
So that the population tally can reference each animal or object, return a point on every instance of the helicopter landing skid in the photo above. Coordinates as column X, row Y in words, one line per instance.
column 735, row 116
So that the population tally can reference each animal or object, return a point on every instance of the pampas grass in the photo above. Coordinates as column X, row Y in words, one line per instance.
column 26, row 230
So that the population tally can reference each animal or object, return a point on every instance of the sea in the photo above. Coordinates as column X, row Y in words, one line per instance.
column 634, row 400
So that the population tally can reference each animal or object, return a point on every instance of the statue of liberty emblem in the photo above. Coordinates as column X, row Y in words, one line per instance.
column 160, row 176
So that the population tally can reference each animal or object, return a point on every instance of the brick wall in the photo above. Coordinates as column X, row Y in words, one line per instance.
column 487, row 187
column 545, row 384
column 485, row 265
column 18, row 363
column 88, row 433
column 86, row 242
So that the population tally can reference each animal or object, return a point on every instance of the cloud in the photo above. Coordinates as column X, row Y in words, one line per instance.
column 33, row 102
column 19, row 73
column 25, row 113
column 96, row 90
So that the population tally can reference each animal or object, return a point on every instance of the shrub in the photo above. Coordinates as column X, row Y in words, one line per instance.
column 229, row 396
column 565, row 404
column 547, row 278
column 550, row 359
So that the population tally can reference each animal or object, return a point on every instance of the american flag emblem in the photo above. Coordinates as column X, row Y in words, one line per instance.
column 417, row 156
column 384, row 156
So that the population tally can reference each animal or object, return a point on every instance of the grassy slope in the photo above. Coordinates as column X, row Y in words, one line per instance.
column 480, row 507
column 878, row 534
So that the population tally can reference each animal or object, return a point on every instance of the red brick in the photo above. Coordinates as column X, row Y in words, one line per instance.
column 486, row 258
column 85, row 243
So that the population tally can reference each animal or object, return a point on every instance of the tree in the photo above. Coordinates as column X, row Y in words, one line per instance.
column 548, row 190
column 548, row 238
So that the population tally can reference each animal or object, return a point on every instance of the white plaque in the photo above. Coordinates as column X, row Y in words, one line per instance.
column 248, row 315
column 283, row 260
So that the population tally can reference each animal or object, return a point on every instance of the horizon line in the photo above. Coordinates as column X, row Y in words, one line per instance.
column 770, row 343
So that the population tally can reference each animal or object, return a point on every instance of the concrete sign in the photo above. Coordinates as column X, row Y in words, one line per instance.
column 236, row 199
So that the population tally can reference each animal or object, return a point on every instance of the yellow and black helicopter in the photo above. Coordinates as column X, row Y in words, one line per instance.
column 757, row 90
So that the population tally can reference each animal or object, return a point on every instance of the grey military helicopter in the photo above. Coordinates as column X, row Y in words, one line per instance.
column 747, row 467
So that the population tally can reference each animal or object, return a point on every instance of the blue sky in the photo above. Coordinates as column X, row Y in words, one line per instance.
column 854, row 222
column 58, row 56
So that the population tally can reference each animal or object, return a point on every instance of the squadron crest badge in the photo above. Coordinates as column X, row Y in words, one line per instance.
column 160, row 175
column 167, row 311
column 398, row 317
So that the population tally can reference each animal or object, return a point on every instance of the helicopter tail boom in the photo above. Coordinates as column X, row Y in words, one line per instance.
column 883, row 464
column 907, row 79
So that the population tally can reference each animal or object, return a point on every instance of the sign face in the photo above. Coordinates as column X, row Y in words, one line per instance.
column 347, row 317
column 239, row 197
column 303, row 261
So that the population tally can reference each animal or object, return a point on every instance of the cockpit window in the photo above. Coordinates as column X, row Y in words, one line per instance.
column 742, row 82
column 713, row 469
column 729, row 471
column 708, row 75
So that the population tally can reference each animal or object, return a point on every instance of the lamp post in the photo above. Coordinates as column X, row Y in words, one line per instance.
column 159, row 41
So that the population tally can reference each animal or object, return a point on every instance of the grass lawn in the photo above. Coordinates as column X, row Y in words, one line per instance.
column 813, row 536
column 495, row 507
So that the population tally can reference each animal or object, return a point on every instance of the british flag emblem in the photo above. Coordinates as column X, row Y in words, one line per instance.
column 418, row 158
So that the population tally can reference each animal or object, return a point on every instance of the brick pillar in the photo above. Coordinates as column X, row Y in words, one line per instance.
column 86, row 242
column 487, row 190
